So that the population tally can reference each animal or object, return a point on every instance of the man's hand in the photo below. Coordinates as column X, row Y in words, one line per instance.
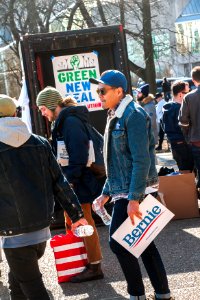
column 78, row 223
column 101, row 200
column 133, row 210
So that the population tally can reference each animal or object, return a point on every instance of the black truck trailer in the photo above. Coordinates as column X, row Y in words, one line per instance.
column 66, row 60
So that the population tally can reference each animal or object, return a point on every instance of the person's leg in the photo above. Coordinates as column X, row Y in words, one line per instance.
column 196, row 156
column 128, row 262
column 182, row 154
column 161, row 138
column 25, row 277
column 161, row 135
column 16, row 292
column 156, row 271
column 92, row 243
column 93, row 269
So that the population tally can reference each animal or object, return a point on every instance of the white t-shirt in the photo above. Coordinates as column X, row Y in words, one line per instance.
column 159, row 112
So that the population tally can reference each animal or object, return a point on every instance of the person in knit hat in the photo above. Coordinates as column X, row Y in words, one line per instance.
column 144, row 90
column 30, row 181
column 7, row 106
column 48, row 100
column 146, row 100
column 70, row 144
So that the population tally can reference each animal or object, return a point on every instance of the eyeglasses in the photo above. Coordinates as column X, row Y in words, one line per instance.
column 184, row 92
column 104, row 91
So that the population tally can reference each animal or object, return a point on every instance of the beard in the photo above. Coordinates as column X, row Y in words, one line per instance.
column 140, row 98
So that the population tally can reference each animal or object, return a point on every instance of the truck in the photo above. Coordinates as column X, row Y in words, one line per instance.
column 66, row 60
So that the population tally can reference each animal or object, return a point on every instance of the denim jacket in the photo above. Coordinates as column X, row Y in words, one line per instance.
column 129, row 151
column 30, row 179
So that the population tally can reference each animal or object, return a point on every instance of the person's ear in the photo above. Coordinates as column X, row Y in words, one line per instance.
column 120, row 91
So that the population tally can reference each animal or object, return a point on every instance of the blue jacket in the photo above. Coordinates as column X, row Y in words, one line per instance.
column 170, row 122
column 129, row 151
column 30, row 178
column 69, row 126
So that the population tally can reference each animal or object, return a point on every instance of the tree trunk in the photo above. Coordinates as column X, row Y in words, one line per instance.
column 150, row 73
column 121, row 8
column 101, row 13
column 86, row 15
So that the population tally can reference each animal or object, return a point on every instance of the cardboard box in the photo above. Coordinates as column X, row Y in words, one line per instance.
column 135, row 238
column 178, row 193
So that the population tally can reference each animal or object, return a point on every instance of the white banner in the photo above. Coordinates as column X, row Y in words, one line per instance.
column 72, row 73
column 23, row 101
column 136, row 238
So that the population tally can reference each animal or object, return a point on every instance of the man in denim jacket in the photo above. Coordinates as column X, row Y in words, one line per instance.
column 130, row 165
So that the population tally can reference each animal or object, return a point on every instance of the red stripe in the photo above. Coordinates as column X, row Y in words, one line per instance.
column 60, row 240
column 71, row 265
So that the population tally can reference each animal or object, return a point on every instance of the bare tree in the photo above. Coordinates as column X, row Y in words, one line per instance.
column 20, row 17
column 150, row 73
column 140, row 32
column 28, row 16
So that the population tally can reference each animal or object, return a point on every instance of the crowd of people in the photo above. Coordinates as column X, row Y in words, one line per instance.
column 166, row 113
column 133, row 131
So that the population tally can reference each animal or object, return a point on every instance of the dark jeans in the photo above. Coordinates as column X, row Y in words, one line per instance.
column 196, row 157
column 167, row 96
column 25, row 279
column 161, row 135
column 182, row 154
column 129, row 264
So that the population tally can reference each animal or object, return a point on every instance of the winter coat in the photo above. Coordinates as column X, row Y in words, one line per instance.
column 149, row 106
column 70, row 127
column 30, row 177
column 170, row 122
column 129, row 151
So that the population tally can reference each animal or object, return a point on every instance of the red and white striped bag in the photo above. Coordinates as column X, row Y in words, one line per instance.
column 70, row 255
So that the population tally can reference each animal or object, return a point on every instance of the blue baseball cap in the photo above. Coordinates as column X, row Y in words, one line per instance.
column 113, row 78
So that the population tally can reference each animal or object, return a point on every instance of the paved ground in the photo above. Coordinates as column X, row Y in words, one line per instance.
column 179, row 246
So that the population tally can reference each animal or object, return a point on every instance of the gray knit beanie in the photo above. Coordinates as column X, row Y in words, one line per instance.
column 49, row 97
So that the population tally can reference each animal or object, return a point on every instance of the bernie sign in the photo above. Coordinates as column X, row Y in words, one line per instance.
column 136, row 238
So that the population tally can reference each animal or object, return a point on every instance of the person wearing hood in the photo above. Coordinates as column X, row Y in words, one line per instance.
column 30, row 181
column 70, row 143
column 181, row 150
column 146, row 100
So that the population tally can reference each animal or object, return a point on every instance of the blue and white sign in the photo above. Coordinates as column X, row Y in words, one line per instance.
column 136, row 238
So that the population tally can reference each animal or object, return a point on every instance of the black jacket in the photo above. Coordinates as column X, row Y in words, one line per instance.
column 70, row 127
column 30, row 178
column 170, row 122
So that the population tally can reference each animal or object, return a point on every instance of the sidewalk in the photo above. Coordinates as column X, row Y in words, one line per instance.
column 178, row 244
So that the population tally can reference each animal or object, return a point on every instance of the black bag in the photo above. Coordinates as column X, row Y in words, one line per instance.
column 97, row 167
column 165, row 171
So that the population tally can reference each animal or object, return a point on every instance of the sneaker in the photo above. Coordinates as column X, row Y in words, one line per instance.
column 91, row 272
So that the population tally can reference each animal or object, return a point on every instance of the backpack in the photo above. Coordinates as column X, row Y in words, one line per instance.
column 97, row 167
